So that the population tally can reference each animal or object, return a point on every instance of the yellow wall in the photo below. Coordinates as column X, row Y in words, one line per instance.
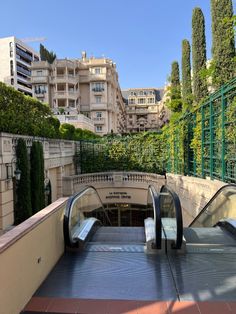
column 27, row 254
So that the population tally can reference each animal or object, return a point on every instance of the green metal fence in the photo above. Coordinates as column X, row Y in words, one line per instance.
column 209, row 140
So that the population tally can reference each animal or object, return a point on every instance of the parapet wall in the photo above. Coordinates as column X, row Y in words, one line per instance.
column 27, row 255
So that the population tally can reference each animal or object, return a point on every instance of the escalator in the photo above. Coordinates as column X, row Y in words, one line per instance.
column 214, row 228
column 87, row 225
column 161, row 260
column 203, row 266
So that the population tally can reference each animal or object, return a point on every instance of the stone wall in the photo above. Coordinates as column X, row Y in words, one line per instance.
column 58, row 162
column 193, row 192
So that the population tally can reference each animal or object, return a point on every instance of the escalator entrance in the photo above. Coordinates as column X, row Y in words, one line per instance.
column 122, row 215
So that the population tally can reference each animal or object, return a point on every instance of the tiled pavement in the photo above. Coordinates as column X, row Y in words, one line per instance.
column 83, row 306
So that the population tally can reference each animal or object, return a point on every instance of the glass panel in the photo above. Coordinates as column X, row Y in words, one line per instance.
column 222, row 206
column 85, row 203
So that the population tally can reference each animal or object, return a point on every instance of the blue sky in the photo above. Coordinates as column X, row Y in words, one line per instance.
column 143, row 37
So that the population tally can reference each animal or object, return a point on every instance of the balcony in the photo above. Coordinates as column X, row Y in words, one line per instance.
column 63, row 78
column 102, row 106
column 23, row 71
column 97, row 77
column 39, row 79
column 98, row 89
column 23, row 54
column 98, row 121
column 66, row 94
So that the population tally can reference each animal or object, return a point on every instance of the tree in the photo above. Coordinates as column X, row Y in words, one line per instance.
column 200, row 90
column 23, row 208
column 175, row 101
column 20, row 114
column 37, row 177
column 223, row 42
column 186, row 75
column 45, row 55
column 67, row 131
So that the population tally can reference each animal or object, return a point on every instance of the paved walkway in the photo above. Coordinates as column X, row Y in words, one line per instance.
column 83, row 306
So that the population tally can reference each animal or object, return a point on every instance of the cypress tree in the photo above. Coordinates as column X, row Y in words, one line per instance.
column 41, row 159
column 175, row 102
column 186, row 75
column 174, row 79
column 45, row 55
column 199, row 55
column 37, row 177
column 23, row 208
column 223, row 43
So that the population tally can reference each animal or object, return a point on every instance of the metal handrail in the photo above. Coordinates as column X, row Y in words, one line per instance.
column 178, row 214
column 157, row 216
column 211, row 201
column 67, row 215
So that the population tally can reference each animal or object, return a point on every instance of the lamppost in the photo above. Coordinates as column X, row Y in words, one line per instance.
column 9, row 170
column 47, row 190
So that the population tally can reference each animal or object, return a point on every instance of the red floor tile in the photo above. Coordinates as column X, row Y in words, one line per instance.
column 214, row 307
column 61, row 305
column 152, row 307
column 232, row 306
column 183, row 307
column 93, row 306
column 38, row 304
column 118, row 307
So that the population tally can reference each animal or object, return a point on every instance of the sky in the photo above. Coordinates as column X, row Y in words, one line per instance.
column 143, row 37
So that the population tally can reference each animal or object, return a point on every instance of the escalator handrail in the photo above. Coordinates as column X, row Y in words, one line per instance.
column 210, row 201
column 178, row 215
column 157, row 215
column 68, row 211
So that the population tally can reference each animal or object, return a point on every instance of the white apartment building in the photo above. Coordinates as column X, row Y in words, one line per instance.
column 15, row 64
column 87, row 86
column 145, row 109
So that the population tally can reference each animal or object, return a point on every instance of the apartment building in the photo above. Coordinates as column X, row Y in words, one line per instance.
column 15, row 64
column 145, row 109
column 87, row 86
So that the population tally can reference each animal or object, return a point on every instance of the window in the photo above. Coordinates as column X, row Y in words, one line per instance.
column 98, row 99
column 141, row 100
column 150, row 100
column 12, row 81
column 98, row 87
column 97, row 71
column 40, row 89
column 98, row 128
column 131, row 101
column 98, row 114
column 141, row 93
column 11, row 68
column 39, row 73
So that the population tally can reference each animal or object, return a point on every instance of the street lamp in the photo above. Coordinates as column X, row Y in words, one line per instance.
column 13, row 174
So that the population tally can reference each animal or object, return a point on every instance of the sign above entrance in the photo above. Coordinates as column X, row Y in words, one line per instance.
column 118, row 195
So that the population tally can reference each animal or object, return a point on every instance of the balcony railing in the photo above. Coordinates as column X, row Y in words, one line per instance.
column 99, row 120
column 98, row 89
column 22, row 70
column 24, row 54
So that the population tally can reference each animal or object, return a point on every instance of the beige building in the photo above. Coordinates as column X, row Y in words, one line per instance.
column 15, row 64
column 145, row 109
column 87, row 86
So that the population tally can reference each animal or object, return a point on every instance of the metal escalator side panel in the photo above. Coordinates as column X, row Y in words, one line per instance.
column 78, row 207
column 153, row 200
column 220, row 206
column 171, row 207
